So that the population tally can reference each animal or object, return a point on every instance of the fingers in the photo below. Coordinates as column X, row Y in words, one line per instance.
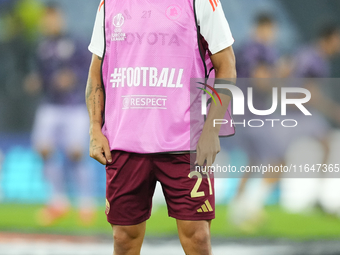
column 209, row 160
column 214, row 157
column 200, row 159
column 101, row 159
column 107, row 153
column 99, row 156
column 100, row 149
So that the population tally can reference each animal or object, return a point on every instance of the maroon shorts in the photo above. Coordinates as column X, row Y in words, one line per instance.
column 131, row 179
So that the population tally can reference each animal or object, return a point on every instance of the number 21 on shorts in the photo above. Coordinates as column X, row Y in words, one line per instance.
column 194, row 192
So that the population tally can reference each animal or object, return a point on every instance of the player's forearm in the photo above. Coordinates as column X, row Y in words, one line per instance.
column 217, row 112
column 225, row 71
column 95, row 95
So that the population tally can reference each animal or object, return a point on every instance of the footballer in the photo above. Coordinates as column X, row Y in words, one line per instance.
column 145, row 52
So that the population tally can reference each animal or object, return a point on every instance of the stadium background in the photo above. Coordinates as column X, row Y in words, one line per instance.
column 23, row 188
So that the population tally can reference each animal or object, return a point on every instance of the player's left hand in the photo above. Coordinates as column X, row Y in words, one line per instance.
column 207, row 148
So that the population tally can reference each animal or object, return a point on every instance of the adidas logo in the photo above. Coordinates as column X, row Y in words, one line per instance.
column 214, row 4
column 206, row 207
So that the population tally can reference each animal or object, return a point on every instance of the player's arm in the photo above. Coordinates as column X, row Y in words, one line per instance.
column 209, row 144
column 99, row 146
column 225, row 69
column 215, row 29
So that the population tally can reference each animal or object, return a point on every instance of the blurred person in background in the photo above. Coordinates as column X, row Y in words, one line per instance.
column 258, row 60
column 61, row 123
column 263, row 146
column 260, row 45
column 313, row 59
column 313, row 63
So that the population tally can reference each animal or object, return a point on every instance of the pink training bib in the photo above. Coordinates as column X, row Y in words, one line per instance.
column 151, row 53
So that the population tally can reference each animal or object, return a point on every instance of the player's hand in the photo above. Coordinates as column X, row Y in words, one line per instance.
column 207, row 148
column 99, row 146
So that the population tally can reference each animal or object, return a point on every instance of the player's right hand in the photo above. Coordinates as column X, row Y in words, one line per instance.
column 99, row 147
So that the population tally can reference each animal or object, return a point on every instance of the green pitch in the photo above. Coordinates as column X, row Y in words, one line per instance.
column 277, row 224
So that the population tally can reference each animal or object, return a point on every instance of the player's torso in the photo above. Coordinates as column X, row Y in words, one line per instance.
column 54, row 56
column 150, row 56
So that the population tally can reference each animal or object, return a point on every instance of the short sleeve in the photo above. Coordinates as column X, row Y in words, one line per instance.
column 213, row 24
column 97, row 41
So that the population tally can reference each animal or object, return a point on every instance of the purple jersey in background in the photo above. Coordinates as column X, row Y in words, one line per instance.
column 249, row 57
column 251, row 54
column 309, row 63
column 62, row 65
